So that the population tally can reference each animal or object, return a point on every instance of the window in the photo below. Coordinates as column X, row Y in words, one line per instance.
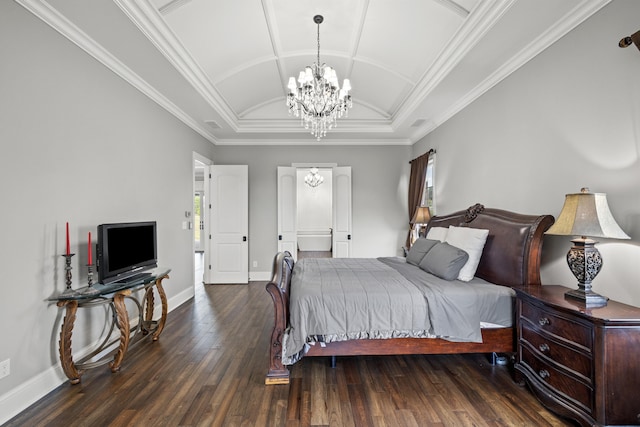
column 428, row 195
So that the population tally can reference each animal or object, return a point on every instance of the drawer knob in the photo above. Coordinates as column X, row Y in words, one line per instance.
column 544, row 347
column 543, row 321
column 544, row 374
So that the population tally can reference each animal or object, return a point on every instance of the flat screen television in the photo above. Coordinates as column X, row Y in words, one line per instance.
column 125, row 249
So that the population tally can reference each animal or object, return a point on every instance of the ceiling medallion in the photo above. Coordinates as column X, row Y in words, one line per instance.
column 317, row 98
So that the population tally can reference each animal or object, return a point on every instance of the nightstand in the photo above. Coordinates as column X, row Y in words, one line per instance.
column 581, row 363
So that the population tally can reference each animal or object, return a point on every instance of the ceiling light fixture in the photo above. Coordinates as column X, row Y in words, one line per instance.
column 317, row 98
column 313, row 178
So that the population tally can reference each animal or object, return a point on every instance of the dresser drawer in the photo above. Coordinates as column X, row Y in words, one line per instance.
column 580, row 362
column 562, row 327
column 576, row 391
column 574, row 361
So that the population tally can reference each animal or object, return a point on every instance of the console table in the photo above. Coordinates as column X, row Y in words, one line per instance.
column 113, row 295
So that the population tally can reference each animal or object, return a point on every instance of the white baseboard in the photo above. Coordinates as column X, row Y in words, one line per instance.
column 29, row 392
column 255, row 276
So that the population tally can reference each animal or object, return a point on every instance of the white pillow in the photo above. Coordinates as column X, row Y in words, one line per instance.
column 470, row 240
column 437, row 233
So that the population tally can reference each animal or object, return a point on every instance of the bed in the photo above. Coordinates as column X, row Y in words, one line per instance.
column 509, row 258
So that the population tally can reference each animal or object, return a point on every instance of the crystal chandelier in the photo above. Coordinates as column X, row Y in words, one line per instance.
column 317, row 98
column 313, row 178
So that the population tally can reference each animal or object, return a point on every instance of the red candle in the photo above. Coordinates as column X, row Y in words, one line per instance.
column 68, row 247
column 90, row 260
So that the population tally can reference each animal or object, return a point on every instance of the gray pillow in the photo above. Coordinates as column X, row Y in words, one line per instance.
column 419, row 250
column 444, row 261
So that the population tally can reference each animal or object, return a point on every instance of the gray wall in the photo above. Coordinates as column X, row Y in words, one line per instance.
column 570, row 118
column 79, row 144
column 379, row 201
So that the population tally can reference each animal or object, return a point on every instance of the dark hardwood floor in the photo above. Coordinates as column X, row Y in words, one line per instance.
column 208, row 369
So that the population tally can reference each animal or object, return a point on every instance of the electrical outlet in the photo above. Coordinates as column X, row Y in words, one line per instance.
column 255, row 263
column 5, row 368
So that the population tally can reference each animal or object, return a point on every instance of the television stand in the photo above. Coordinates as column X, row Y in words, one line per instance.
column 112, row 350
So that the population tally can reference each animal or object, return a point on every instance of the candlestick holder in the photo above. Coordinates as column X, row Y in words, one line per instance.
column 89, row 289
column 67, row 270
column 90, row 274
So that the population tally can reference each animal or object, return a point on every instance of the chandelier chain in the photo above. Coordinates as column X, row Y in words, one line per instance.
column 318, row 43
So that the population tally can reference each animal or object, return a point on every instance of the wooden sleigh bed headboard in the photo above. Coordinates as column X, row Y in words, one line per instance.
column 511, row 257
column 513, row 250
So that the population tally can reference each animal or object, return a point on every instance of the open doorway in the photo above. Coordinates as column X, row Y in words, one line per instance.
column 198, row 217
column 314, row 211
column 198, row 221
column 338, row 229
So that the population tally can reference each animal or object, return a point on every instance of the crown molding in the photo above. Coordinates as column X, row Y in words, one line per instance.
column 454, row 7
column 49, row 15
column 143, row 14
column 293, row 126
column 571, row 20
column 482, row 19
column 172, row 5
column 310, row 140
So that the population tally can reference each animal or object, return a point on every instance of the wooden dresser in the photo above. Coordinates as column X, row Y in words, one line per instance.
column 581, row 363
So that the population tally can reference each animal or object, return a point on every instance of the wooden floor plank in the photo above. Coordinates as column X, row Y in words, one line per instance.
column 208, row 369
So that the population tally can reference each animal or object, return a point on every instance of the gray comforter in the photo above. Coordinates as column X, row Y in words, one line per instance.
column 338, row 299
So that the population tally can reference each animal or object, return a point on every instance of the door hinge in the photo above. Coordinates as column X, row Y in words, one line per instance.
column 209, row 266
column 348, row 236
column 279, row 236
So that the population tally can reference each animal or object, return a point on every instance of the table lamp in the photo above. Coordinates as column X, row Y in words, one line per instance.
column 586, row 214
column 420, row 219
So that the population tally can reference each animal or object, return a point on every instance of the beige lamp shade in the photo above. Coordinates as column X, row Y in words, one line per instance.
column 422, row 215
column 587, row 214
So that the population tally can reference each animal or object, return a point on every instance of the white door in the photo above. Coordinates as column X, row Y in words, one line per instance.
column 287, row 207
column 342, row 212
column 229, row 224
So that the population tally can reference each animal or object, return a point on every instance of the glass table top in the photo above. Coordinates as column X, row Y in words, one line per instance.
column 98, row 289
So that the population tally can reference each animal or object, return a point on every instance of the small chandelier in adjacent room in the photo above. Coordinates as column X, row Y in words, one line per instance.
column 317, row 98
column 313, row 178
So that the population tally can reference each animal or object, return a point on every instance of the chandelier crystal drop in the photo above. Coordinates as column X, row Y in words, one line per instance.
column 313, row 178
column 317, row 97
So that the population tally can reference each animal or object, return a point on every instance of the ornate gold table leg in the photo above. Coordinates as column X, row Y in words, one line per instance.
column 163, row 300
column 66, row 356
column 122, row 318
column 149, row 303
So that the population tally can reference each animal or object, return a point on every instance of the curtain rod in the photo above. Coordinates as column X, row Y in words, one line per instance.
column 431, row 151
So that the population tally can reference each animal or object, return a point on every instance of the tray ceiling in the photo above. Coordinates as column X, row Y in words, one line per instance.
column 222, row 66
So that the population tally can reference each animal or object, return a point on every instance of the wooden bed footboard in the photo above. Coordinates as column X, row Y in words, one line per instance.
column 278, row 288
column 511, row 258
